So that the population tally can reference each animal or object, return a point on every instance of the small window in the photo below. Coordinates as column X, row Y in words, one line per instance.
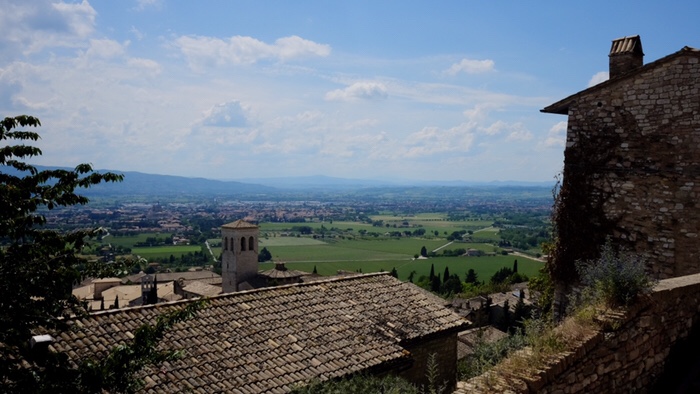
column 226, row 243
column 251, row 243
column 243, row 244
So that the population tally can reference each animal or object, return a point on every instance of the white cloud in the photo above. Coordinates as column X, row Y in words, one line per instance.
column 28, row 27
column 229, row 114
column 556, row 137
column 144, row 4
column 598, row 78
column 240, row 50
column 105, row 49
column 359, row 90
column 292, row 47
column 495, row 128
column 518, row 132
column 151, row 66
column 137, row 33
column 479, row 112
column 433, row 140
column 514, row 131
column 471, row 66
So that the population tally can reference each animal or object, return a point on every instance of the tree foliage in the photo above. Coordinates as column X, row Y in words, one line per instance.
column 38, row 266
column 264, row 255
column 389, row 384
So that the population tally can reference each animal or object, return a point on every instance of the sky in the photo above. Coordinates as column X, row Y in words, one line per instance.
column 387, row 90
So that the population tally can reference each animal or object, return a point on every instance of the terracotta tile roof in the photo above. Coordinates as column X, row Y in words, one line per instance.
column 239, row 224
column 266, row 340
column 282, row 272
column 202, row 289
column 202, row 276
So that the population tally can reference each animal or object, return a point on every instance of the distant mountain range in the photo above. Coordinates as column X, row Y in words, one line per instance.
column 322, row 181
column 137, row 183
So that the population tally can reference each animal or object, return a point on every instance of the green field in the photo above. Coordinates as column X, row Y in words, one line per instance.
column 131, row 240
column 485, row 266
column 288, row 241
column 344, row 248
column 164, row 251
column 371, row 255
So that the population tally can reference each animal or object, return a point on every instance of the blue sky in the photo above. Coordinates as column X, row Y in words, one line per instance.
column 390, row 90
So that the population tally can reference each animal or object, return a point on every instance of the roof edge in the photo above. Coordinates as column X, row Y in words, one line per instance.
column 561, row 107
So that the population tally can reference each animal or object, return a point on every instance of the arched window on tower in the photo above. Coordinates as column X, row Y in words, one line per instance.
column 243, row 244
column 225, row 243
column 232, row 248
column 251, row 243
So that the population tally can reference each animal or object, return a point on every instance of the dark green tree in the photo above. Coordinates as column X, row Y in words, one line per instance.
column 452, row 285
column 515, row 266
column 435, row 284
column 446, row 274
column 501, row 275
column 432, row 272
column 315, row 271
column 38, row 266
column 424, row 252
column 264, row 255
column 394, row 273
column 472, row 277
column 411, row 276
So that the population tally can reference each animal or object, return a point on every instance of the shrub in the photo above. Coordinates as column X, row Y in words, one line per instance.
column 487, row 354
column 614, row 279
column 359, row 384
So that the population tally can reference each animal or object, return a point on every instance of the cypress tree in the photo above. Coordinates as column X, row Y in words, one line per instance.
column 515, row 266
column 432, row 272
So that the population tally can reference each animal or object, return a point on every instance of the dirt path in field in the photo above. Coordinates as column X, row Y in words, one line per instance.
column 540, row 259
column 445, row 245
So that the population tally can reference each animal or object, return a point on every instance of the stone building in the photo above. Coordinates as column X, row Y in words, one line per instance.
column 239, row 256
column 269, row 339
column 632, row 163
column 239, row 261
column 281, row 275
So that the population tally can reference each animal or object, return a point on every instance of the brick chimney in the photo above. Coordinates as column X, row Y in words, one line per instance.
column 625, row 55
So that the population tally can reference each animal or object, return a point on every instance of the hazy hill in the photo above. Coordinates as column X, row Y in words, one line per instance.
column 138, row 183
column 141, row 184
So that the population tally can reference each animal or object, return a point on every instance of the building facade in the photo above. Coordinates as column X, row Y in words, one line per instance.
column 239, row 255
column 632, row 164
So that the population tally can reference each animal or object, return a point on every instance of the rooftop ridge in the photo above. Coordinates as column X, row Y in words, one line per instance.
column 238, row 293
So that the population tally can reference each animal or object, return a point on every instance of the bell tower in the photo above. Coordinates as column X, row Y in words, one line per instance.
column 239, row 254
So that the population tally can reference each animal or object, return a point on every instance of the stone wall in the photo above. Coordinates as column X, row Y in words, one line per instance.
column 629, row 358
column 444, row 348
column 632, row 168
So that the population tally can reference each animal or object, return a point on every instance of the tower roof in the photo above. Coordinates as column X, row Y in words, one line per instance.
column 239, row 224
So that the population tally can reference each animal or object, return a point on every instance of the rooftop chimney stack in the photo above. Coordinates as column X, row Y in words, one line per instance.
column 625, row 55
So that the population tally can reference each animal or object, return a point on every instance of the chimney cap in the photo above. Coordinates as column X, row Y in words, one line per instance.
column 627, row 45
